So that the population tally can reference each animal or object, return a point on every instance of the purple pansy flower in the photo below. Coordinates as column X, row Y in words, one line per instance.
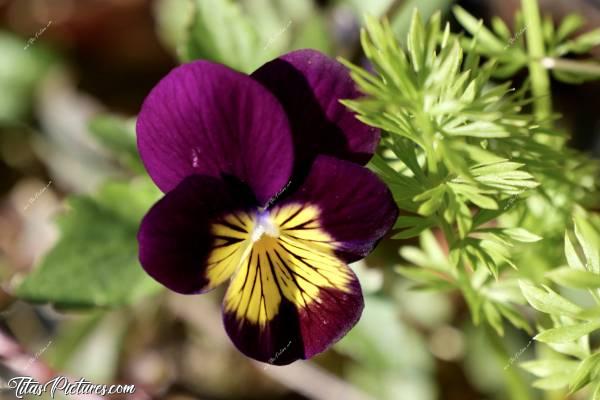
column 264, row 186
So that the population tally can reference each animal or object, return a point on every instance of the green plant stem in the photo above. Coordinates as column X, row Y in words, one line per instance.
column 428, row 136
column 540, row 80
column 580, row 67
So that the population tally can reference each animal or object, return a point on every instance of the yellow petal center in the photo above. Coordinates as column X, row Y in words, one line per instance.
column 275, row 254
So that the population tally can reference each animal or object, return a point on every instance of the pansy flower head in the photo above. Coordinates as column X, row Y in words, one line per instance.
column 265, row 186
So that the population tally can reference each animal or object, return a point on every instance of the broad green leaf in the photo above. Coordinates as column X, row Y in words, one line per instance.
column 567, row 333
column 95, row 262
column 574, row 278
column 221, row 32
column 548, row 301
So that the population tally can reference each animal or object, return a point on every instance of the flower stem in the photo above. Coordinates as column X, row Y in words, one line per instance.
column 540, row 81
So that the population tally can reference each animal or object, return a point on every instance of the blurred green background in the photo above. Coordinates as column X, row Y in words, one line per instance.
column 73, row 75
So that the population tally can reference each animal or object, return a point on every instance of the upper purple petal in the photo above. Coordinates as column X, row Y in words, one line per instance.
column 205, row 118
column 356, row 207
column 310, row 86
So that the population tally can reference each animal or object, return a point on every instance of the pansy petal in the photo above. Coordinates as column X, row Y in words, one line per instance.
column 291, row 298
column 194, row 237
column 205, row 118
column 356, row 207
column 310, row 86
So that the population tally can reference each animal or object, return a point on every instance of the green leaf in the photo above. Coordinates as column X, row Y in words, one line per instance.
column 568, row 25
column 521, row 235
column 548, row 367
column 589, row 241
column 479, row 129
column 433, row 200
column 514, row 317
column 482, row 201
column 573, row 258
column 596, row 395
column 548, row 301
column 574, row 349
column 552, row 382
column 584, row 43
column 589, row 313
column 567, row 333
column 416, row 225
column 548, row 29
column 484, row 36
column 493, row 317
column 501, row 29
column 582, row 375
column 95, row 262
column 416, row 40
column 574, row 278
column 221, row 32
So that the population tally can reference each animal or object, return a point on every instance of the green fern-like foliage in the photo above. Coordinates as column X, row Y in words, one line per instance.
column 510, row 48
column 488, row 185
column 572, row 363
column 461, row 154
